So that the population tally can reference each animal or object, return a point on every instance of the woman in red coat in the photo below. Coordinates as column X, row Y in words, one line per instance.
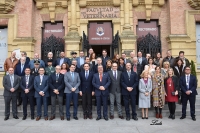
column 171, row 89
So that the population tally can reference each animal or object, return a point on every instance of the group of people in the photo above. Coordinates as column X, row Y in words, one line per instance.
column 129, row 81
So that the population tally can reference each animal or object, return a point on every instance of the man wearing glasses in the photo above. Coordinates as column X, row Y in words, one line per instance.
column 188, row 85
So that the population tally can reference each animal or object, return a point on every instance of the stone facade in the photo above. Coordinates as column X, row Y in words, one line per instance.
column 176, row 18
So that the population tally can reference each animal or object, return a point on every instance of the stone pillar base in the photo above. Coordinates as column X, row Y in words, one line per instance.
column 128, row 41
column 72, row 43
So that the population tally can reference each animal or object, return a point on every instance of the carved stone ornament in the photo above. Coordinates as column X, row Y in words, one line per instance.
column 194, row 4
column 6, row 6
column 51, row 5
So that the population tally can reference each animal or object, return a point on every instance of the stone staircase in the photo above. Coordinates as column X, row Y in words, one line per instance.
column 80, row 112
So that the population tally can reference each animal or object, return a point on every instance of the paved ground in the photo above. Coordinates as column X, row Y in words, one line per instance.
column 92, row 126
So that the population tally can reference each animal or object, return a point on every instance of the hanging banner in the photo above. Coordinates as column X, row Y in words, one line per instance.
column 198, row 45
column 3, row 47
column 55, row 29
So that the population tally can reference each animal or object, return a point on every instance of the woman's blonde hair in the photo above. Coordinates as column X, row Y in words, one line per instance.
column 166, row 63
column 167, row 75
column 142, row 74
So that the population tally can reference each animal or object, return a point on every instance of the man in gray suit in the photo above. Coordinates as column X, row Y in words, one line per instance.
column 80, row 59
column 11, row 85
column 115, row 91
column 72, row 82
column 125, row 60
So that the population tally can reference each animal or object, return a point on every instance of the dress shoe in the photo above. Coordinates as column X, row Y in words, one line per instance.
column 32, row 117
column 6, row 118
column 68, row 119
column 15, row 117
column 173, row 117
column 52, row 117
column 193, row 118
column 128, row 118
column 19, row 104
column 46, row 118
column 182, row 117
column 38, row 118
column 24, row 118
column 121, row 117
column 157, row 115
column 147, row 118
column 143, row 117
column 90, row 117
column 170, row 116
column 62, row 117
column 106, row 118
column 135, row 118
column 76, row 118
column 160, row 116
column 98, row 118
column 111, row 117
column 85, row 117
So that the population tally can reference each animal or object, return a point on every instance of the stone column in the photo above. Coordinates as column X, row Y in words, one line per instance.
column 128, row 39
column 72, row 39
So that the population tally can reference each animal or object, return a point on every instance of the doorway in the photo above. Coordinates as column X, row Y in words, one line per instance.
column 98, row 49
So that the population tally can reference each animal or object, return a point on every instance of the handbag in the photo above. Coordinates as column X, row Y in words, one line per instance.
column 173, row 93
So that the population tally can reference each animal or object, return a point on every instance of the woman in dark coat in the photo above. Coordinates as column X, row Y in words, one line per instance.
column 171, row 89
column 179, row 67
column 121, row 66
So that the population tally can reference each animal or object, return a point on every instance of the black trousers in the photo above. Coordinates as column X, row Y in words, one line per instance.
column 191, row 99
column 172, row 107
column 31, row 100
column 7, row 100
column 133, row 104
column 87, row 103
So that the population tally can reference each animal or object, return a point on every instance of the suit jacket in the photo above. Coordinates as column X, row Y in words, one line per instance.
column 192, row 85
column 127, row 61
column 43, row 87
column 60, row 85
column 27, row 60
column 70, row 83
column 105, row 83
column 7, row 85
column 143, row 88
column 30, row 86
column 78, row 61
column 86, row 84
column 95, row 68
column 126, row 82
column 18, row 69
column 49, row 71
column 139, row 69
column 91, row 68
column 66, row 60
column 144, row 62
column 31, row 63
column 171, row 61
column 122, row 69
column 177, row 72
column 175, row 81
column 104, row 60
column 115, row 83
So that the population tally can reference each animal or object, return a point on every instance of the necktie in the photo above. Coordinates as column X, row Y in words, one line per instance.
column 57, row 77
column 86, row 75
column 187, row 82
column 41, row 77
column 12, row 80
column 73, row 76
column 26, row 81
column 129, row 74
column 134, row 68
column 22, row 67
column 100, row 77
column 115, row 75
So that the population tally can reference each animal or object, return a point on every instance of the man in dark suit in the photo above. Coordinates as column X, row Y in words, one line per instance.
column 19, row 71
column 62, row 59
column 80, row 59
column 56, row 85
column 104, row 57
column 101, row 82
column 186, row 62
column 129, row 82
column 26, row 84
column 50, row 57
column 78, row 70
column 125, row 60
column 188, row 85
column 72, row 82
column 24, row 54
column 142, row 60
column 115, row 91
column 36, row 58
column 35, row 70
column 11, row 85
column 99, row 63
column 87, row 60
column 169, row 58
column 86, row 91
column 41, row 93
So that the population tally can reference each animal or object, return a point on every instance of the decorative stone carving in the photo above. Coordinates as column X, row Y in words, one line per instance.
column 84, row 3
column 194, row 4
column 6, row 6
column 148, row 5
column 51, row 5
